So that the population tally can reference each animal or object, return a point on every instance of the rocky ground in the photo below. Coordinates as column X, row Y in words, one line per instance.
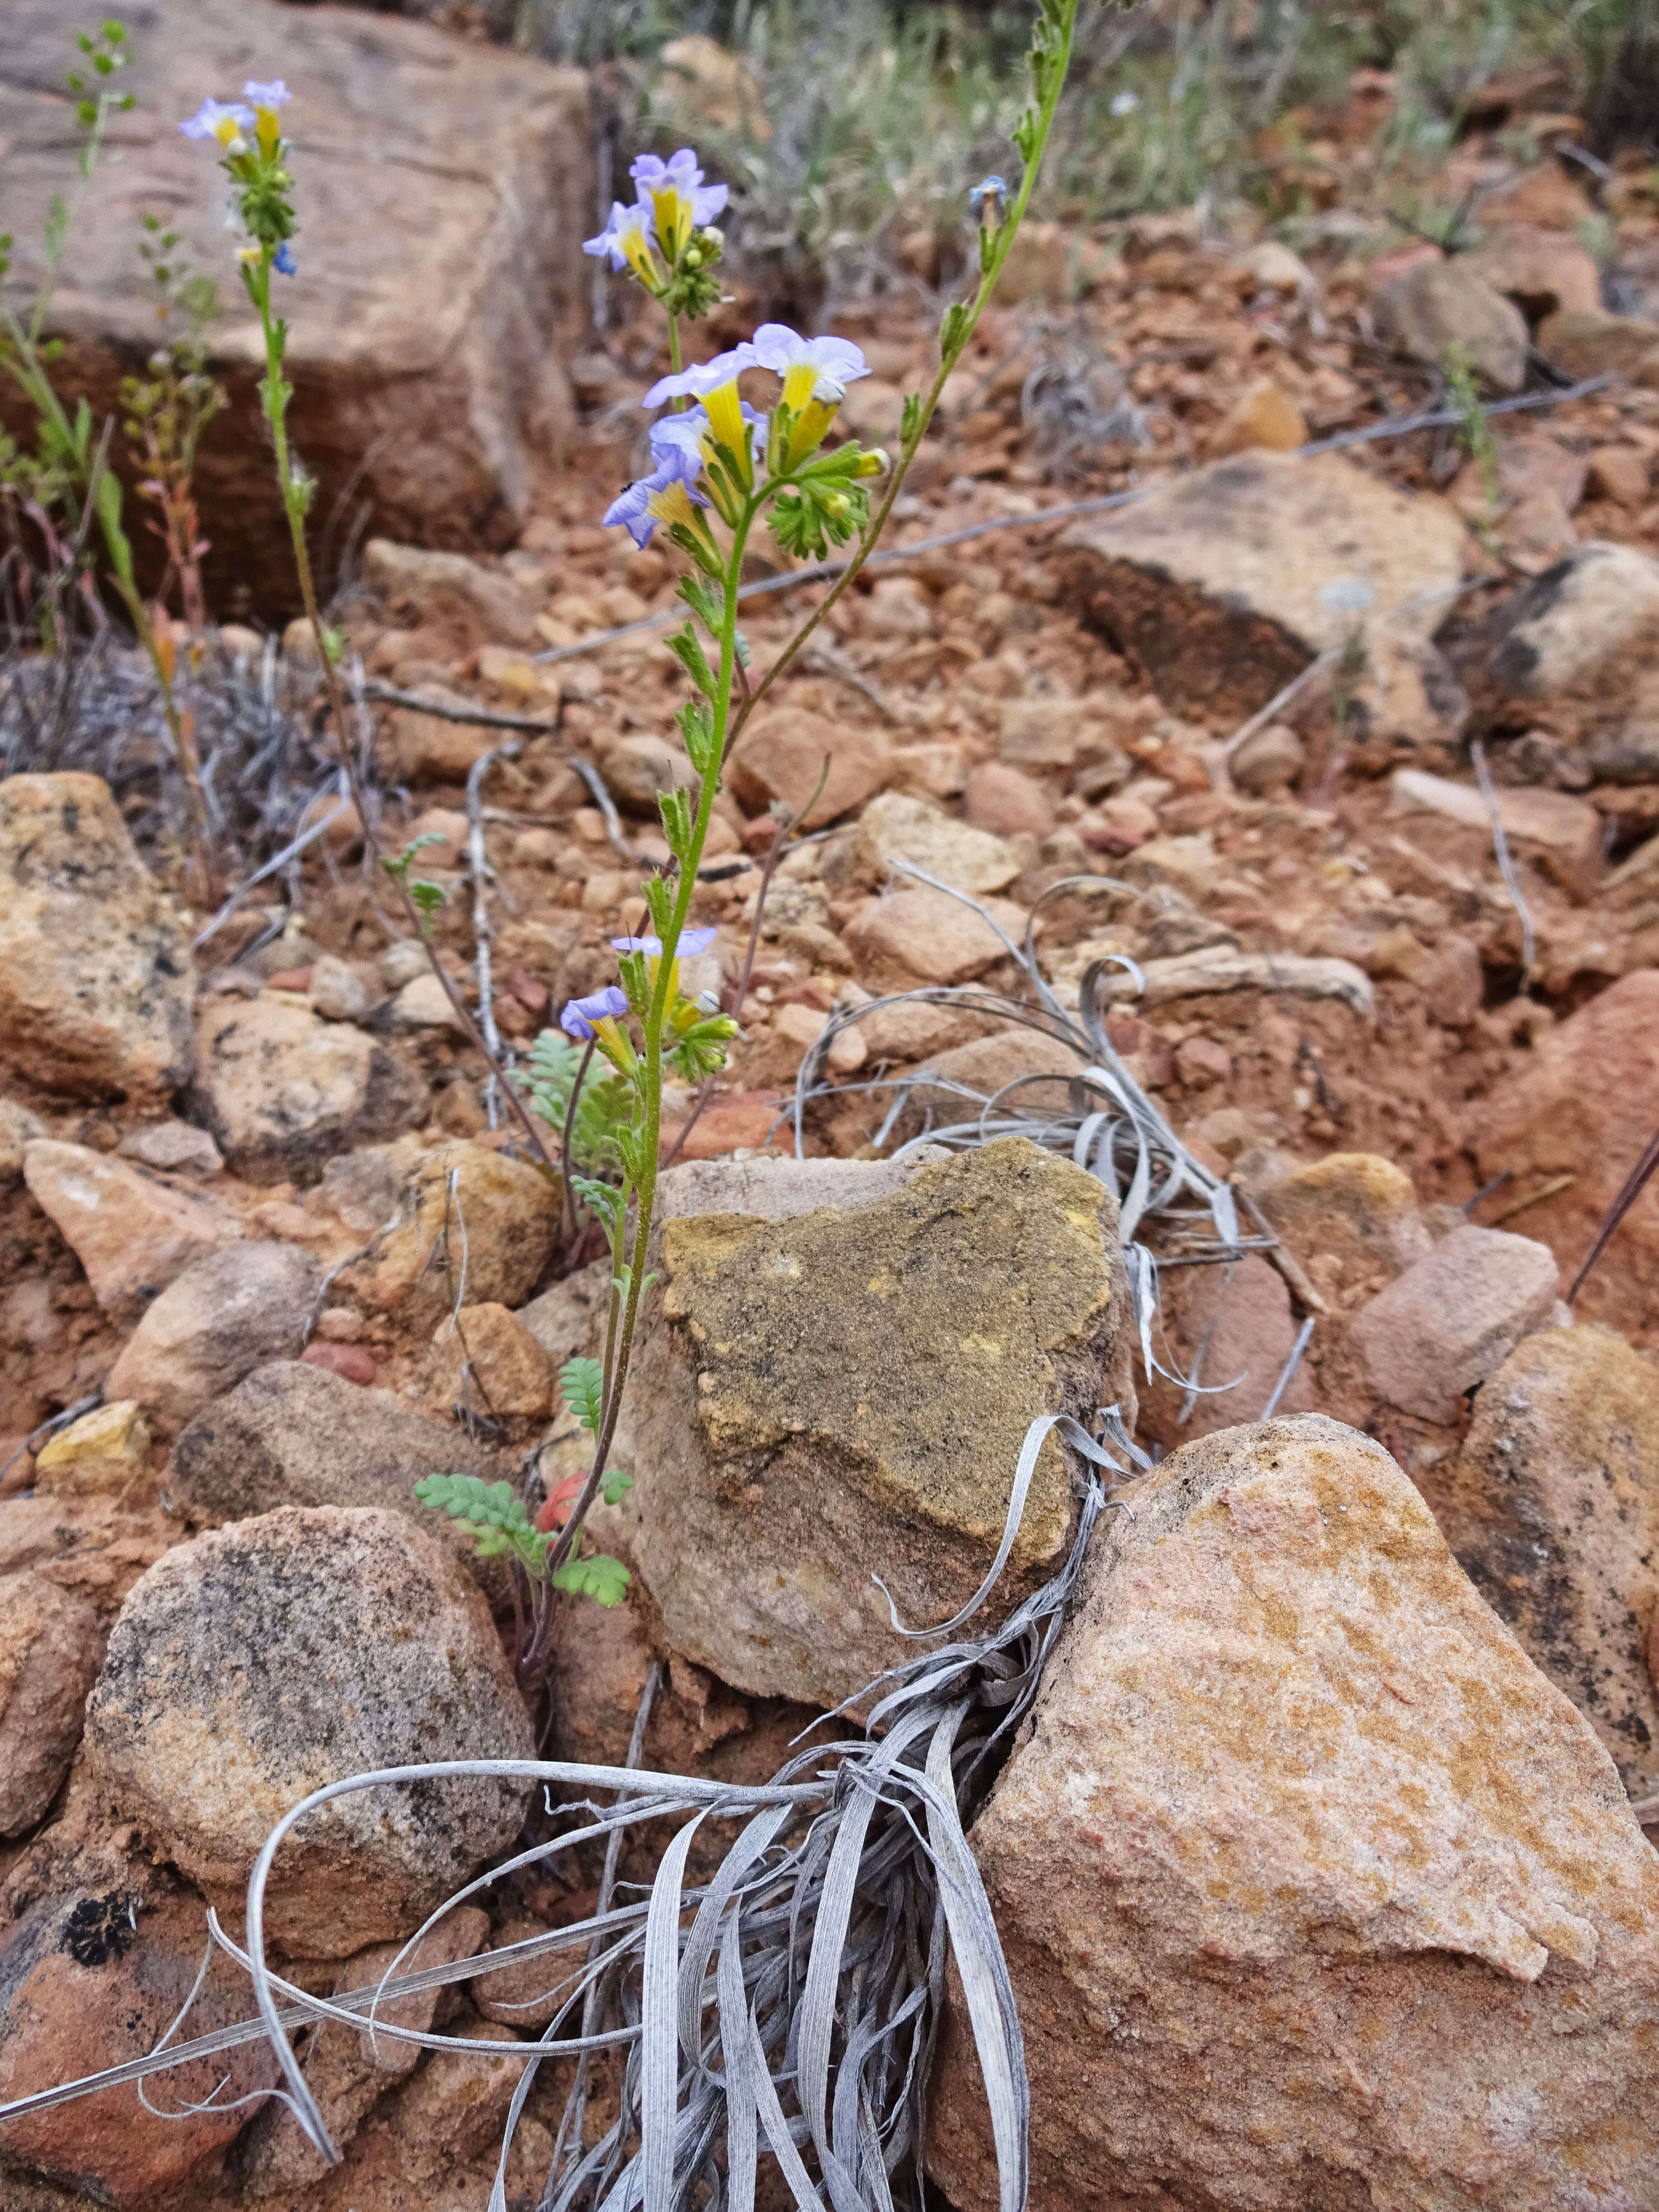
column 1374, row 1871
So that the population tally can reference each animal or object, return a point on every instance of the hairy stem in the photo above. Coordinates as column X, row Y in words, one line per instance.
column 650, row 1139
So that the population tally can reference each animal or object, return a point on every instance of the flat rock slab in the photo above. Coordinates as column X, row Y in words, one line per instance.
column 95, row 979
column 257, row 1663
column 844, row 1393
column 1313, row 1891
column 444, row 189
column 1224, row 584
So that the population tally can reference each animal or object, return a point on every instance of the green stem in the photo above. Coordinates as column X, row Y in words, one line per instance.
column 620, row 1341
column 948, row 360
column 58, row 233
column 22, row 361
column 650, row 1141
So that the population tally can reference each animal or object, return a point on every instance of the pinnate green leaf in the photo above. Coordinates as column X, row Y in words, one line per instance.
column 582, row 1383
column 599, row 1576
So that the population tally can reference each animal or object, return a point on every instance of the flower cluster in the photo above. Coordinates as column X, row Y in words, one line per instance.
column 698, row 1030
column 256, row 165
column 712, row 455
column 673, row 217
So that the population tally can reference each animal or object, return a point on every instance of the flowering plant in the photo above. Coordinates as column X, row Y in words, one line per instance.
column 723, row 463
column 748, row 442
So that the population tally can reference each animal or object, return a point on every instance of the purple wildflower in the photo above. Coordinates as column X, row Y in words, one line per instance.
column 581, row 1017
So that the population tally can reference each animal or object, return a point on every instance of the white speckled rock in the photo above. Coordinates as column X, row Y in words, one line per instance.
column 256, row 1664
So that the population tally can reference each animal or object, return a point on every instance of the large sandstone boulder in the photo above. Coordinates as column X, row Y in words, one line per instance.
column 255, row 1663
column 91, row 1978
column 95, row 980
column 282, row 1091
column 229, row 1312
column 1313, row 1891
column 1575, row 649
column 1553, row 1508
column 444, row 189
column 1584, row 1105
column 818, row 1398
column 1225, row 584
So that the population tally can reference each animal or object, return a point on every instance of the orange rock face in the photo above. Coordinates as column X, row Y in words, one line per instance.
column 1314, row 1892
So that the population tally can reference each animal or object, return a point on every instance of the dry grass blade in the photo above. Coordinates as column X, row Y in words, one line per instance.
column 1634, row 1184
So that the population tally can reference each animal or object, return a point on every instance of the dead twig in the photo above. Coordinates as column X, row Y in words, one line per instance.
column 1634, row 1184
column 479, row 867
column 1552, row 1188
column 486, row 717
column 1500, row 845
column 607, row 806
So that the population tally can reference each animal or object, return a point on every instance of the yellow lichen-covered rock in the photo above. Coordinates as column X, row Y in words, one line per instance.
column 843, row 1394
column 107, row 1449
column 1313, row 1891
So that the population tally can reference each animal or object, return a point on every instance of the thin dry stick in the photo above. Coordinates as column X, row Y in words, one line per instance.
column 487, row 717
column 607, row 806
column 479, row 866
column 1635, row 1182
column 1506, row 868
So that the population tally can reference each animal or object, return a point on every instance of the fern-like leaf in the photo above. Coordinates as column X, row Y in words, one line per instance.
column 494, row 1515
column 582, row 1384
column 599, row 1576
